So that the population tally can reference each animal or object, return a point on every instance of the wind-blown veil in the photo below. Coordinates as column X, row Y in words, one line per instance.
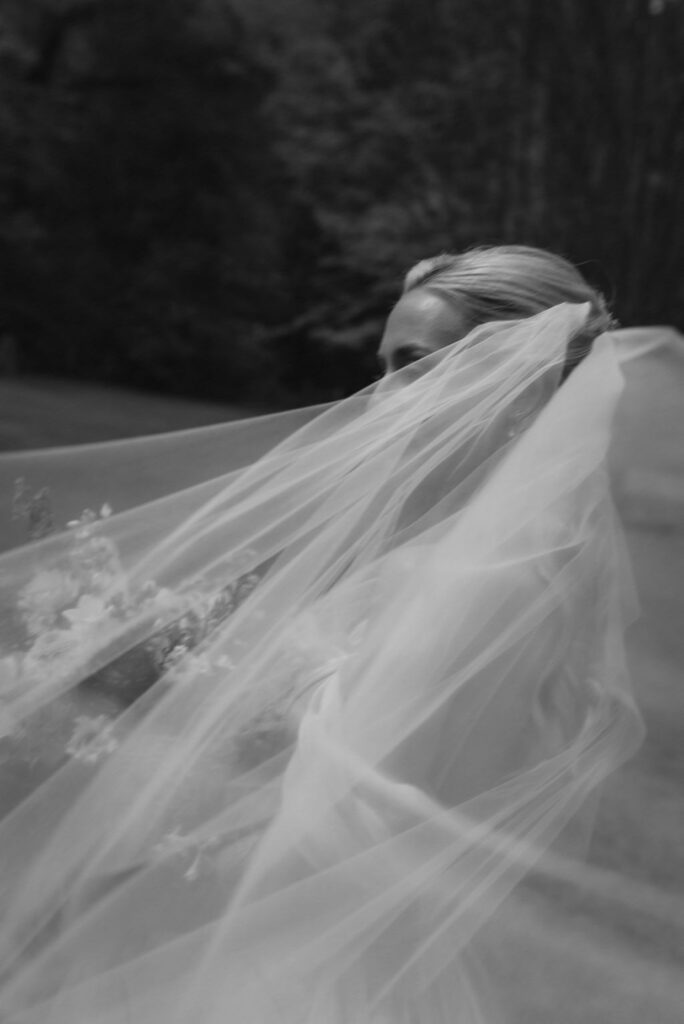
column 312, row 729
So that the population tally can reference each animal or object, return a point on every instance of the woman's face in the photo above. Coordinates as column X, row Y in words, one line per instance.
column 421, row 323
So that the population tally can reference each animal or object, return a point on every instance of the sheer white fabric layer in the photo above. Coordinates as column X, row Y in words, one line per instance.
column 316, row 733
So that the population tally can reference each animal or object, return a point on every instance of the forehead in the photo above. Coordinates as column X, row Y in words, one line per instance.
column 422, row 318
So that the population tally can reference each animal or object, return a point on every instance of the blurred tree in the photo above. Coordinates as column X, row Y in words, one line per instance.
column 221, row 196
column 143, row 242
column 412, row 128
column 605, row 83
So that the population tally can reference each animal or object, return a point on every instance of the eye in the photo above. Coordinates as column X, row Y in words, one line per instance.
column 399, row 359
column 406, row 356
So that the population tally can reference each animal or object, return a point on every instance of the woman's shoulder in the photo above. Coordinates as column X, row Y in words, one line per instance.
column 647, row 449
column 659, row 341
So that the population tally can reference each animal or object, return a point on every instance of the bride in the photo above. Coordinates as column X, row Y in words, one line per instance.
column 305, row 720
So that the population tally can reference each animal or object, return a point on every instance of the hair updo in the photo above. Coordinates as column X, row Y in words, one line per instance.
column 507, row 282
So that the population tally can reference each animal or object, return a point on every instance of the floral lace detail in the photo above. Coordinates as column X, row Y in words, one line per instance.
column 34, row 510
column 170, row 645
column 73, row 604
column 44, row 597
column 175, row 846
column 92, row 739
column 68, row 606
column 197, row 853
column 80, row 589
column 73, row 607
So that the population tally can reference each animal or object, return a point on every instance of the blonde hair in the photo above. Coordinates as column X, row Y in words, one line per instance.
column 506, row 282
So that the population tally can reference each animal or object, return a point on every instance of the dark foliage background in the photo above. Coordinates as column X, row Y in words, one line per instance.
column 219, row 197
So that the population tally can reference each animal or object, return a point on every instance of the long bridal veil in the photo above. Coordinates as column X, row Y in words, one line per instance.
column 307, row 719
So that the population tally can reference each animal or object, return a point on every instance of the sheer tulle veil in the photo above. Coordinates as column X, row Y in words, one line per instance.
column 306, row 718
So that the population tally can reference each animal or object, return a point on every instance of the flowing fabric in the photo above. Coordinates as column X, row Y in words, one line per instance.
column 307, row 720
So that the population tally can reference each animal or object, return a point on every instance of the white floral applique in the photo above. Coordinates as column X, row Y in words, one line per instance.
column 43, row 599
column 87, row 611
column 81, row 599
column 34, row 510
column 71, row 603
column 58, row 650
column 94, row 559
column 174, row 846
column 92, row 739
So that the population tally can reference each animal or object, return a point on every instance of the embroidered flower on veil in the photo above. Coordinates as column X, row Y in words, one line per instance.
column 35, row 510
column 74, row 605
column 70, row 607
column 92, row 739
column 45, row 597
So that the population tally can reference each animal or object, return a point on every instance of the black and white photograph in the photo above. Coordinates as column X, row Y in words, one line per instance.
column 341, row 511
